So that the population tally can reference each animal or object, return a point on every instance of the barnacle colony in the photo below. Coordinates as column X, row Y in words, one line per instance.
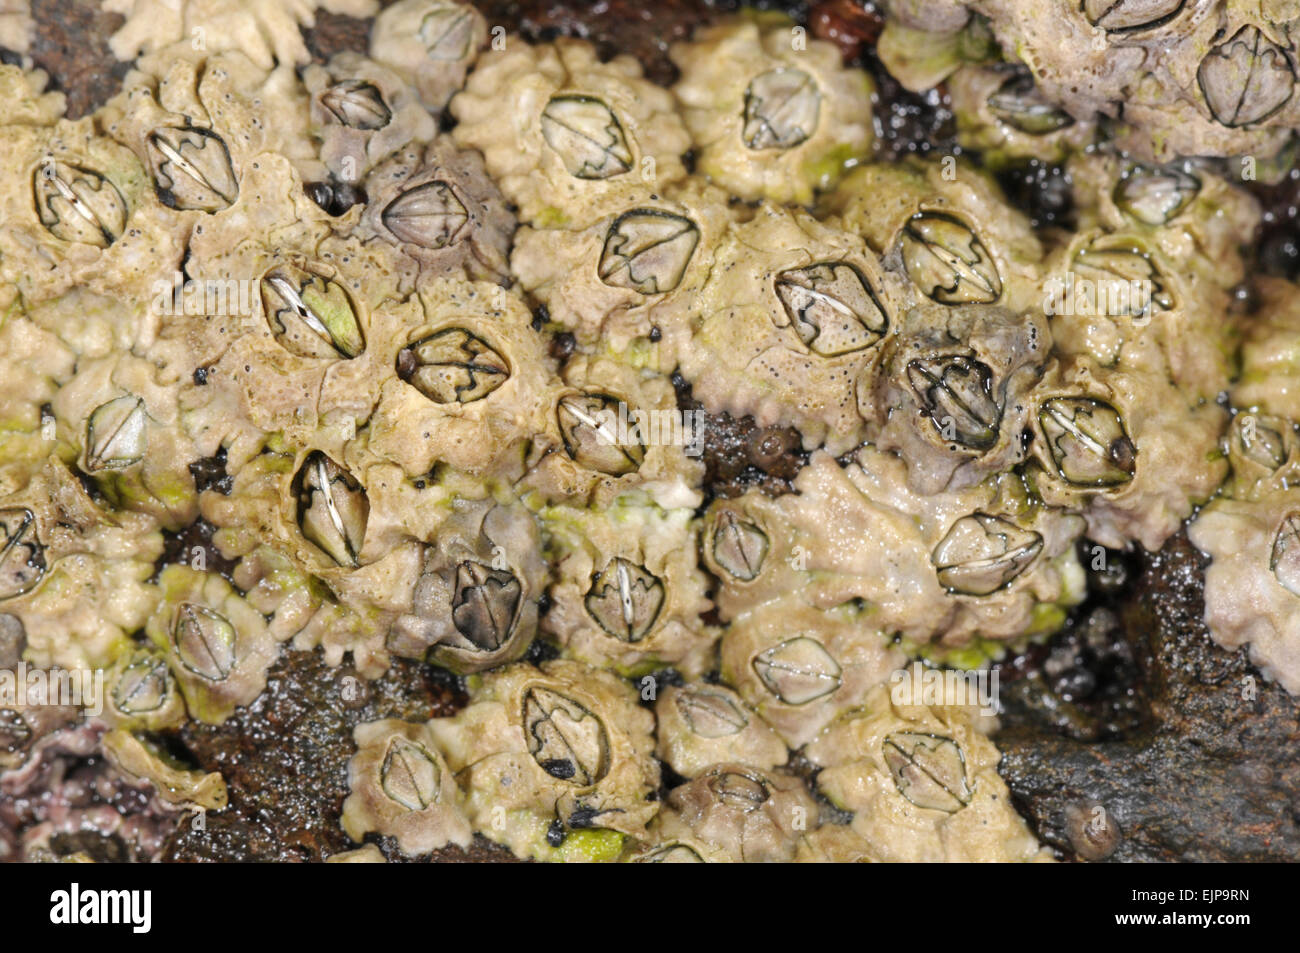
column 437, row 373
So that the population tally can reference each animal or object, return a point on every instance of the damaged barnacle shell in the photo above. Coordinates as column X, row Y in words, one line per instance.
column 585, row 137
column 736, row 813
column 431, row 44
column 141, row 692
column 1252, row 585
column 702, row 724
column 174, row 783
column 1002, row 113
column 1263, row 452
column 474, row 605
column 401, row 787
column 191, row 168
column 333, row 508
column 73, row 574
column 770, row 118
column 615, row 431
column 952, row 393
column 362, row 112
column 628, row 592
column 438, row 205
column 219, row 647
column 792, row 316
column 469, row 384
column 921, row 782
column 912, row 559
column 799, row 667
column 1126, row 448
column 630, row 272
column 556, row 761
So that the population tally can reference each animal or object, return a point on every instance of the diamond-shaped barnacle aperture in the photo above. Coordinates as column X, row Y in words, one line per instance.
column 452, row 366
column 589, row 427
column 982, row 553
column 568, row 741
column 447, row 31
column 333, row 508
column 798, row 670
column 410, row 775
column 832, row 307
column 1246, row 79
column 947, row 261
column 738, row 545
column 357, row 104
column 1125, row 279
column 311, row 315
column 929, row 770
column 1155, row 196
column 204, row 640
column 191, row 168
column 116, row 434
column 1019, row 103
column 1284, row 560
column 1262, row 450
column 781, row 109
column 431, row 215
column 486, row 604
column 647, row 251
column 956, row 393
column 625, row 599
column 77, row 204
column 1087, row 441
column 143, row 692
column 710, row 713
column 701, row 725
column 1126, row 16
column 587, row 136
column 22, row 555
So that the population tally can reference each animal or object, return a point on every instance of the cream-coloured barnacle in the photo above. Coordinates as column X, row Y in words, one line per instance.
column 1264, row 454
column 439, row 206
column 629, row 272
column 431, row 44
column 770, row 114
column 141, row 692
column 1126, row 448
column 469, row 383
column 952, row 393
column 219, row 647
column 736, row 812
column 701, row 724
column 402, row 788
column 474, row 605
column 628, row 592
column 556, row 762
column 310, row 315
column 175, row 784
column 747, row 543
column 268, row 32
column 834, row 844
column 583, row 136
column 73, row 573
column 191, row 167
column 792, row 316
column 1002, row 113
column 921, row 781
column 799, row 667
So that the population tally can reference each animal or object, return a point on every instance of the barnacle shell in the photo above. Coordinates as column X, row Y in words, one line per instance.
column 629, row 592
column 138, row 758
column 431, row 44
column 582, row 137
column 701, row 724
column 958, row 810
column 1002, row 113
column 771, row 116
column 562, row 747
column 401, row 787
column 141, row 692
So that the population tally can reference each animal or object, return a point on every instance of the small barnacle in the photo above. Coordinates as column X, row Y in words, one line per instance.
column 956, row 393
column 430, row 43
column 1155, row 196
column 982, row 553
column 447, row 31
column 710, row 713
column 22, row 556
column 1246, row 79
column 947, row 261
column 333, row 508
column 410, row 775
column 647, row 251
column 798, row 670
column 192, row 168
column 452, row 366
column 486, row 604
column 929, row 770
column 588, row 425
column 1087, row 441
column 1125, row 264
column 1262, row 450
column 143, row 687
column 205, row 641
column 77, row 204
column 702, row 724
column 310, row 315
column 738, row 545
column 115, row 434
column 1125, row 16
column 625, row 599
column 831, row 307
column 781, row 107
column 587, row 136
column 566, row 740
column 1284, row 560
column 1020, row 103
column 358, row 104
column 669, row 854
column 429, row 215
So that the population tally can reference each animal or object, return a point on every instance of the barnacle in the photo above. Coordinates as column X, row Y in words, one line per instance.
column 556, row 762
column 921, row 781
column 771, row 114
column 1001, row 112
column 701, row 724
column 401, row 787
column 582, row 138
column 431, row 44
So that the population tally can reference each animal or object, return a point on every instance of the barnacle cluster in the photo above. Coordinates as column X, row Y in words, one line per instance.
column 436, row 372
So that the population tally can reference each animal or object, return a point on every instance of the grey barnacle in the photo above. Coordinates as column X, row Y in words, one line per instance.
column 191, row 168
column 357, row 104
column 929, row 770
column 1246, row 78
column 431, row 44
column 142, row 692
column 332, row 508
column 22, row 556
column 948, row 262
column 1087, row 441
column 625, row 599
column 566, row 740
column 955, row 392
column 78, row 204
column 1264, row 453
column 981, row 553
column 311, row 315
column 204, row 641
column 429, row 215
column 737, row 545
